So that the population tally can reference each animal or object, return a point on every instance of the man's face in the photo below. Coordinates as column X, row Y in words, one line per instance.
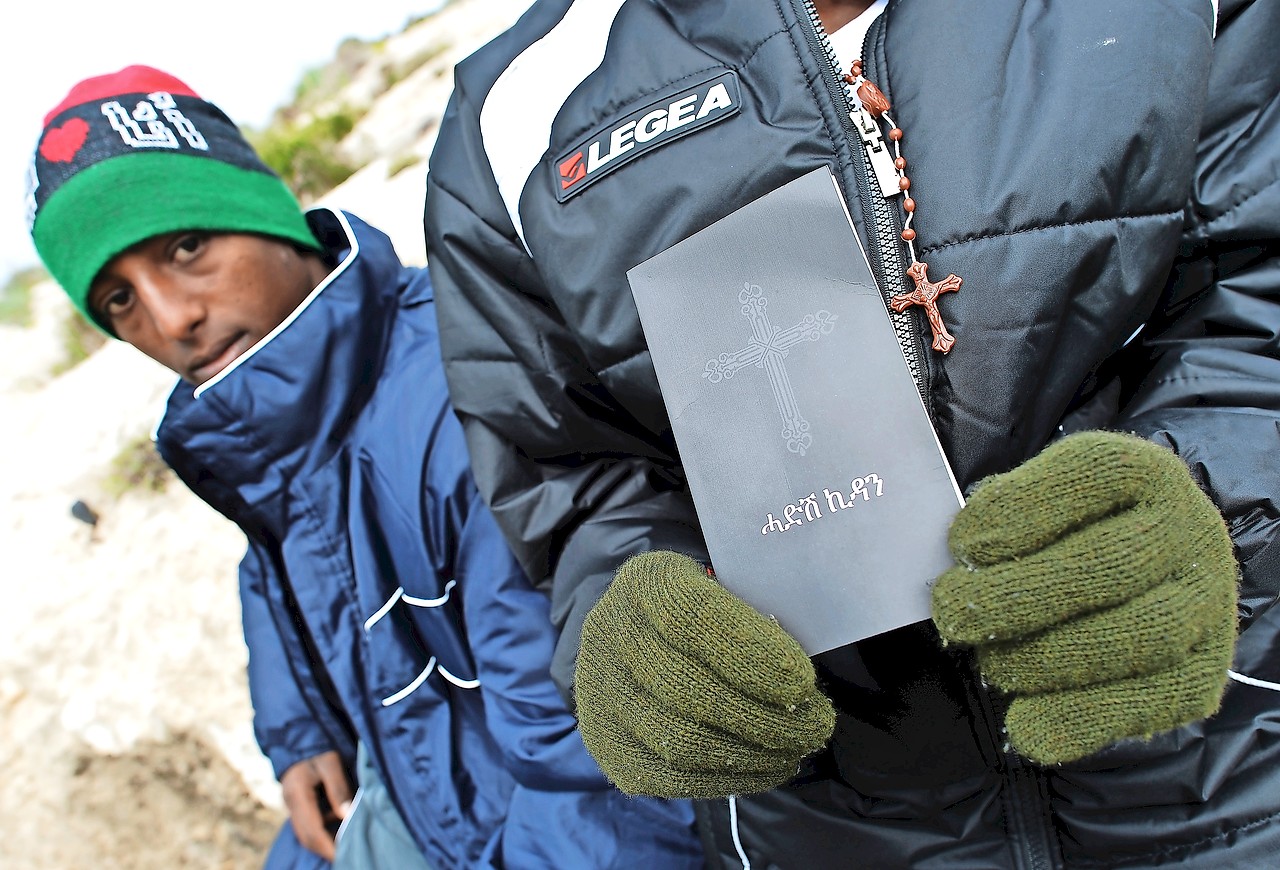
column 195, row 301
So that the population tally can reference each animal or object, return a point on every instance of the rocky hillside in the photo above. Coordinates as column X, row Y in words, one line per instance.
column 123, row 706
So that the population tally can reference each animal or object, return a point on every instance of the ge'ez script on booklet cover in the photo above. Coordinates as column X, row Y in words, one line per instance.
column 822, row 491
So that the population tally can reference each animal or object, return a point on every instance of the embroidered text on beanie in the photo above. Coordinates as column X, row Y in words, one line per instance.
column 134, row 154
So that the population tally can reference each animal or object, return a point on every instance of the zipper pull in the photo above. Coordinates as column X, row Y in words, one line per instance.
column 871, row 104
column 877, row 151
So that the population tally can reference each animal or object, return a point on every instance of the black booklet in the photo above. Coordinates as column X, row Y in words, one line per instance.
column 822, row 491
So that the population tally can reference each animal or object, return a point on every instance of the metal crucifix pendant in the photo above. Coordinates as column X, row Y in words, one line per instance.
column 926, row 296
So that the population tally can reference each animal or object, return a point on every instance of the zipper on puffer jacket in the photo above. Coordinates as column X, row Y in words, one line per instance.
column 1032, row 840
column 883, row 247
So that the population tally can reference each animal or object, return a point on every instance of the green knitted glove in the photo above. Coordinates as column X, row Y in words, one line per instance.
column 683, row 690
column 1098, row 585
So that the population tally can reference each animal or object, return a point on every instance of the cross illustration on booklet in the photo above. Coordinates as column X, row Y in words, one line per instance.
column 838, row 527
column 767, row 350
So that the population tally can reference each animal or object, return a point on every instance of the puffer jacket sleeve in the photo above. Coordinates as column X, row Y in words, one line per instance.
column 1209, row 385
column 284, row 724
column 575, row 482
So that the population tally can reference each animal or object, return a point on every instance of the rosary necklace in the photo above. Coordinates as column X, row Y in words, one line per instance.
column 893, row 180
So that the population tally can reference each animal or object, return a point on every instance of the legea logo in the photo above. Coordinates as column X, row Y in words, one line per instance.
column 641, row 131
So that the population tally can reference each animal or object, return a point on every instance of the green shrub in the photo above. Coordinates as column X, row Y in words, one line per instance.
column 79, row 339
column 306, row 156
column 137, row 466
column 301, row 146
column 396, row 72
column 321, row 84
column 401, row 163
column 15, row 296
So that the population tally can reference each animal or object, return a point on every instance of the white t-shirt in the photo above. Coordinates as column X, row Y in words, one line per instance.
column 847, row 41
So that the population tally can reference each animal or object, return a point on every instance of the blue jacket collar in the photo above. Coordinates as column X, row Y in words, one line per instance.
column 289, row 401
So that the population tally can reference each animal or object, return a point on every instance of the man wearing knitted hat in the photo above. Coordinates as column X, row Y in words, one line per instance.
column 391, row 633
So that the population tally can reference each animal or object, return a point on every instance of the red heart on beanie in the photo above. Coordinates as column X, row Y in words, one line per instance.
column 60, row 144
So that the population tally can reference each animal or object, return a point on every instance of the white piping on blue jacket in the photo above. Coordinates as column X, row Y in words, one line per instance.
column 431, row 602
column 412, row 687
column 458, row 681
column 408, row 599
column 384, row 609
column 421, row 678
column 293, row 315
column 397, row 596
column 354, row 252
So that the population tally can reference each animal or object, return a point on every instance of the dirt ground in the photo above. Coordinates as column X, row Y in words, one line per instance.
column 125, row 724
column 160, row 805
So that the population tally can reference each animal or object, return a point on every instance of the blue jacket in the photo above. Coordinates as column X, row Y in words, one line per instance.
column 380, row 602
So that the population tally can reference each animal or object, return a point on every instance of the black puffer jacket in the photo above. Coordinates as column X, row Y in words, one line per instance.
column 1103, row 176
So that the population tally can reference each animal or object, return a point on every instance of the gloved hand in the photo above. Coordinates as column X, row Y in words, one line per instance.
column 1097, row 583
column 683, row 690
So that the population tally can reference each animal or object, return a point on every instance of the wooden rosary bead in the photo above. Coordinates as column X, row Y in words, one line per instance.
column 926, row 293
column 873, row 99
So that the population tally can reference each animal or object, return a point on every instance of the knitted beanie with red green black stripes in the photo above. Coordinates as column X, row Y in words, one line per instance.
column 137, row 153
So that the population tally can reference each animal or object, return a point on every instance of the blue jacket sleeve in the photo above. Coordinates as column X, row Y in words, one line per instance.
column 512, row 639
column 284, row 723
